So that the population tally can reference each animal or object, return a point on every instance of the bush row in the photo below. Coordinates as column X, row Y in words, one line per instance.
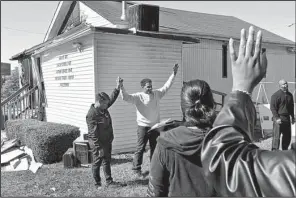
column 48, row 141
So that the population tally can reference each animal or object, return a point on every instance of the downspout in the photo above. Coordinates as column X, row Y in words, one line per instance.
column 123, row 11
column 124, row 23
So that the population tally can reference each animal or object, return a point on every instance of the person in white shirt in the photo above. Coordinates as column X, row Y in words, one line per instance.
column 148, row 114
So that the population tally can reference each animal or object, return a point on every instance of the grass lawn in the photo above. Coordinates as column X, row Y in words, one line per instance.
column 54, row 180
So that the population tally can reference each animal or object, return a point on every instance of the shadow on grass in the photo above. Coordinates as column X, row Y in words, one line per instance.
column 115, row 161
column 143, row 182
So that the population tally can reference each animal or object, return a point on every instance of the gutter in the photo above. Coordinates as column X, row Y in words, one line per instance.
column 28, row 52
column 223, row 38
column 84, row 29
column 63, row 40
column 169, row 36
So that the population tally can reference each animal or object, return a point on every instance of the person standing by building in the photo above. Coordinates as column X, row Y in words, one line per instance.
column 148, row 114
column 100, row 135
column 282, row 108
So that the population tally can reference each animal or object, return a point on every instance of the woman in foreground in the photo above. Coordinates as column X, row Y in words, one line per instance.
column 175, row 168
column 234, row 165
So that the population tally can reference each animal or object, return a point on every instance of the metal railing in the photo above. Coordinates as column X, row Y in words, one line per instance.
column 22, row 104
column 219, row 105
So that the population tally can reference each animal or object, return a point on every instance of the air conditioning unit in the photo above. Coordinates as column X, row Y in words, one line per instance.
column 143, row 17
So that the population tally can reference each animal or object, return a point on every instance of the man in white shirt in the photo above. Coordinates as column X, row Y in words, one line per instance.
column 147, row 105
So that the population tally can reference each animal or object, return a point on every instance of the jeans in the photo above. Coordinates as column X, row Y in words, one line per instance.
column 143, row 137
column 278, row 129
column 101, row 156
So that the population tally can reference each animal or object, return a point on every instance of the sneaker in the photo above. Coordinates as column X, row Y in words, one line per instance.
column 140, row 175
column 145, row 174
column 98, row 185
column 114, row 184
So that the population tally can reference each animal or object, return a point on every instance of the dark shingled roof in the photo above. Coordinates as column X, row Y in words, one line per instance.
column 179, row 21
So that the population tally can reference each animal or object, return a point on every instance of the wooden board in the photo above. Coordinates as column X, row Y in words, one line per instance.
column 7, row 157
column 9, row 144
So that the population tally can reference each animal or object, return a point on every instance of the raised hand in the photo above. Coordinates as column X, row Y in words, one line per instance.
column 119, row 82
column 175, row 69
column 249, row 67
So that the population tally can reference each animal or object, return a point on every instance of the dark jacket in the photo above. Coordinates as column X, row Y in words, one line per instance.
column 99, row 125
column 235, row 166
column 282, row 105
column 175, row 168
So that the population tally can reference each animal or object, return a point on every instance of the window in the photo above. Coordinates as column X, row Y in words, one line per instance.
column 264, row 50
column 224, row 61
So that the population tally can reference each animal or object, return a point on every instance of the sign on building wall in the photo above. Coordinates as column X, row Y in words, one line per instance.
column 5, row 68
column 64, row 71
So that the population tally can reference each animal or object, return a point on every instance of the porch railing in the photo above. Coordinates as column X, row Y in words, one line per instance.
column 23, row 104
column 219, row 104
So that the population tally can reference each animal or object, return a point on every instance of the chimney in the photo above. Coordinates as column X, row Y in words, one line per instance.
column 123, row 10
column 143, row 17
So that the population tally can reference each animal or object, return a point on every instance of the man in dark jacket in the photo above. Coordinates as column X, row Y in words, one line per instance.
column 282, row 107
column 100, row 133
column 232, row 163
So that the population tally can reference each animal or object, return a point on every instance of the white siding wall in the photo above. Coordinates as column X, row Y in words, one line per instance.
column 204, row 61
column 134, row 58
column 281, row 65
column 92, row 17
column 70, row 104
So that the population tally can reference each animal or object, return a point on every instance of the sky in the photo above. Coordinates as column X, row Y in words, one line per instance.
column 24, row 23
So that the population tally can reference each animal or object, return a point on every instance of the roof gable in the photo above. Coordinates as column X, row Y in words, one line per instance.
column 57, row 19
column 70, row 14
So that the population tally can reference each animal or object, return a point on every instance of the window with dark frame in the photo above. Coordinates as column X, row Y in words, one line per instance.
column 224, row 61
column 264, row 50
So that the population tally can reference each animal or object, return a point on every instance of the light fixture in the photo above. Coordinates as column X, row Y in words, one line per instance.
column 78, row 46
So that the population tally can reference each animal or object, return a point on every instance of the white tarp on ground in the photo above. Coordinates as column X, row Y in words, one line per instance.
column 19, row 158
column 26, row 162
column 11, row 155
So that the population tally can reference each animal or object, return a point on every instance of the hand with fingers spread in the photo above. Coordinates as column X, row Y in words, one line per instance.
column 119, row 82
column 175, row 69
column 248, row 68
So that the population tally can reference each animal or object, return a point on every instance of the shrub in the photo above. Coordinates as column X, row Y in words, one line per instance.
column 16, row 129
column 48, row 141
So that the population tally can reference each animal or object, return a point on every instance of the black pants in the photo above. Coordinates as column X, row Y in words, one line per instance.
column 143, row 137
column 101, row 156
column 278, row 129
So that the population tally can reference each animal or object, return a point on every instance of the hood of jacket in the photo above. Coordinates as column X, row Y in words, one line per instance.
column 183, row 140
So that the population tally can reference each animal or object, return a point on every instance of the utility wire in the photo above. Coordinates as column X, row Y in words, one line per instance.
column 21, row 30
